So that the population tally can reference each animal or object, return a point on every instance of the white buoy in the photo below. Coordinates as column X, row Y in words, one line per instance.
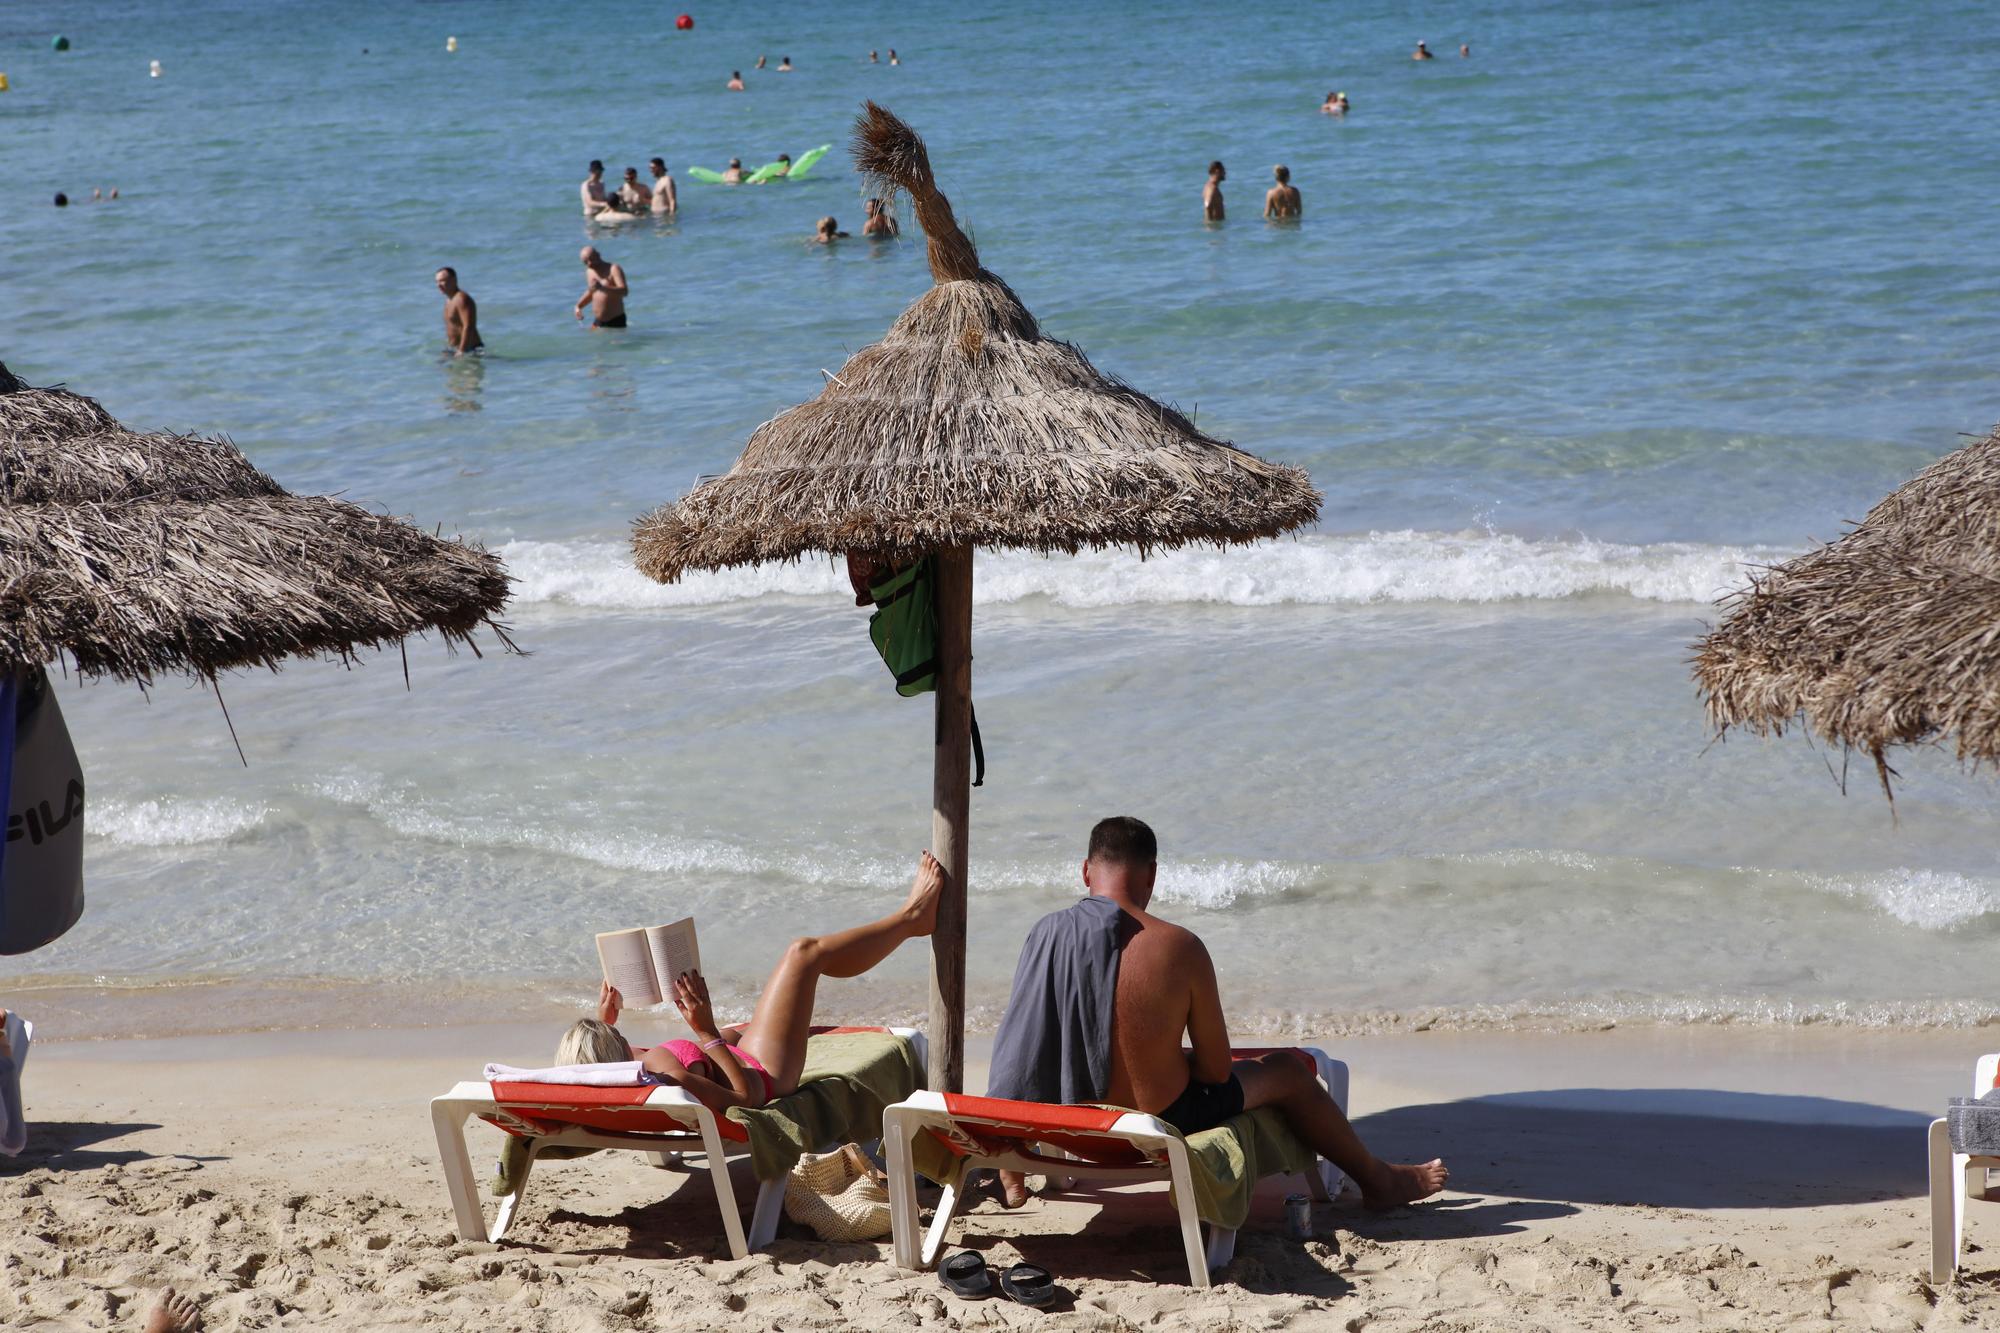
column 451, row 43
column 154, row 70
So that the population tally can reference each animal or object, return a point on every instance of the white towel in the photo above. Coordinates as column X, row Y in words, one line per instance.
column 13, row 1124
column 622, row 1074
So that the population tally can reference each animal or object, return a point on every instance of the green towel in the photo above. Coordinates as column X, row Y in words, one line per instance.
column 849, row 1077
column 1225, row 1163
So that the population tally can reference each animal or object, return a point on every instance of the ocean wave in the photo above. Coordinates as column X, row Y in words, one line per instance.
column 1926, row 899
column 172, row 822
column 1313, row 570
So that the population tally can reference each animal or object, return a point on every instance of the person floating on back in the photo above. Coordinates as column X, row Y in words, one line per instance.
column 1103, row 996
column 1282, row 199
column 1422, row 53
column 461, row 314
column 604, row 291
column 1211, row 193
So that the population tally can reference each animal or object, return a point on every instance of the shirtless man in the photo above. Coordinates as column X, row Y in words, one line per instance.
column 1166, row 993
column 604, row 291
column 1422, row 53
column 635, row 194
column 784, row 64
column 461, row 314
column 592, row 190
column 1282, row 199
column 665, row 201
column 880, row 223
column 735, row 84
column 733, row 176
column 1211, row 193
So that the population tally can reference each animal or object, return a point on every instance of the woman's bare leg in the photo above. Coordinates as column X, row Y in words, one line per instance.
column 776, row 1032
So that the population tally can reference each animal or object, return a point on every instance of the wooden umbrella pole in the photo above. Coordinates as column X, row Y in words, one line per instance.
column 951, row 794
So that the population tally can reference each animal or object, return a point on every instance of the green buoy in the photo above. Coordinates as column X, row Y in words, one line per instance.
column 59, row 43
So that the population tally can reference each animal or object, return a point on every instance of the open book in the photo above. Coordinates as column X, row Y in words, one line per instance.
column 642, row 964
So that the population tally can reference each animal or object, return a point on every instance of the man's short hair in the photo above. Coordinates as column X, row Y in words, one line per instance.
column 1123, row 840
column 1214, row 167
column 446, row 268
column 1284, row 175
column 596, row 165
column 658, row 162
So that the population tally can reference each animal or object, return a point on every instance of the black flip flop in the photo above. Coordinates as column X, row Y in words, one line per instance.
column 965, row 1273
column 1028, row 1284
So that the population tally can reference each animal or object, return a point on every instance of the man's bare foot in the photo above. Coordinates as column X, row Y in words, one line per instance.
column 922, row 908
column 174, row 1314
column 1402, row 1184
column 1013, row 1189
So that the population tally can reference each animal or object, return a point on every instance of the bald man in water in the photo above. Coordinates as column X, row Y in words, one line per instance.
column 461, row 314
column 1163, row 993
column 604, row 290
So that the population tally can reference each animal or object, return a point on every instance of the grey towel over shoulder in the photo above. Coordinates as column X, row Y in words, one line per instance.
column 1055, row 1038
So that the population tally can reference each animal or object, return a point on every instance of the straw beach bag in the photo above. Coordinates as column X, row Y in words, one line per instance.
column 839, row 1195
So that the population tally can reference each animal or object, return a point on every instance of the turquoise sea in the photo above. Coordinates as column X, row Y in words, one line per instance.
column 1574, row 330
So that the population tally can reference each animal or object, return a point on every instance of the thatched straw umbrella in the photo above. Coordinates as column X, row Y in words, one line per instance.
column 965, row 427
column 1888, row 636
column 134, row 554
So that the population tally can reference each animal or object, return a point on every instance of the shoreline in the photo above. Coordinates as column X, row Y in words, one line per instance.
column 1615, row 1180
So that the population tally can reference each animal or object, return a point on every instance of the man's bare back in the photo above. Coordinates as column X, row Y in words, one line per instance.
column 1211, row 193
column 1282, row 200
column 1162, row 970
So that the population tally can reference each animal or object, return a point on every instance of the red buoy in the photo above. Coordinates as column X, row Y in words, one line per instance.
column 684, row 22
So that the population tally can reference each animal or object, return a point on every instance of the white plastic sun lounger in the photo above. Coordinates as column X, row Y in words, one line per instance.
column 1955, row 1177
column 1073, row 1142
column 661, row 1121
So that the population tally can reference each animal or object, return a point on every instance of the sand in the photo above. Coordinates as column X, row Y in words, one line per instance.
column 1643, row 1179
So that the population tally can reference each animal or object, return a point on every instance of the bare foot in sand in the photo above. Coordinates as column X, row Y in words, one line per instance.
column 922, row 908
column 174, row 1314
column 1400, row 1184
column 1013, row 1189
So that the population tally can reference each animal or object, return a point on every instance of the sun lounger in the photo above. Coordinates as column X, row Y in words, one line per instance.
column 664, row 1122
column 1955, row 1177
column 947, row 1136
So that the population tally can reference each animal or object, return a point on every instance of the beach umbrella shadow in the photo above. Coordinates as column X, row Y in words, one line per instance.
column 1695, row 1148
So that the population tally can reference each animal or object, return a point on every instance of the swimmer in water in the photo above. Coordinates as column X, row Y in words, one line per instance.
column 635, row 196
column 784, row 64
column 1211, row 193
column 874, row 59
column 1465, row 51
column 894, row 59
column 784, row 166
column 665, row 202
column 1422, row 53
column 760, row 62
column 604, row 291
column 829, row 231
column 594, row 199
column 733, row 176
column 461, row 314
column 735, row 84
column 1335, row 104
column 1282, row 200
column 881, row 223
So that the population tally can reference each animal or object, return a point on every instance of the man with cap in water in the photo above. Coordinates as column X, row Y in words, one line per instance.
column 1422, row 53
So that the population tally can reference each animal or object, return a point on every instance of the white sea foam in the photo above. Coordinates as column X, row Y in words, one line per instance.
column 1315, row 570
column 1927, row 899
column 172, row 822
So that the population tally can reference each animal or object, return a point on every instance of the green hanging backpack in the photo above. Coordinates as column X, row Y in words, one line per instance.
column 904, row 630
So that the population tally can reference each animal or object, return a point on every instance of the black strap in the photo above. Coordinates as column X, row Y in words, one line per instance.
column 978, row 750
column 916, row 673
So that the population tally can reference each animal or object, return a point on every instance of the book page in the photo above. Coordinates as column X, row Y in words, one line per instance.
column 628, row 965
column 674, row 951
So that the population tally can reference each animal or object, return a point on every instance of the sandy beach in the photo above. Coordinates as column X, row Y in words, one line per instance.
column 1629, row 1179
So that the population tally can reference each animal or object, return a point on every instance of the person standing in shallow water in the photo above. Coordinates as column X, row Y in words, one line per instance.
column 1282, row 200
column 1422, row 53
column 461, row 314
column 604, row 291
column 1211, row 193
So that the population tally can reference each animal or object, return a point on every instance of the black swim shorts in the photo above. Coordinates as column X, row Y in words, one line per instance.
column 1205, row 1105
column 615, row 322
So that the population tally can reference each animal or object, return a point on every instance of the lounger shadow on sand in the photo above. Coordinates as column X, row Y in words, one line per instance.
column 1670, row 1147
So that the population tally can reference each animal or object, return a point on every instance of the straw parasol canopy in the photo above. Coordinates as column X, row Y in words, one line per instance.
column 1888, row 636
column 965, row 426
column 134, row 554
